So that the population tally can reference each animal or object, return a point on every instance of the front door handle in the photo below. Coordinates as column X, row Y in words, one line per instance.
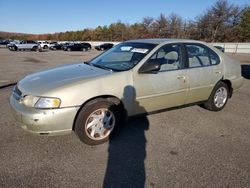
column 217, row 72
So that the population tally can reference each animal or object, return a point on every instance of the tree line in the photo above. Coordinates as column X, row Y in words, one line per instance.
column 222, row 22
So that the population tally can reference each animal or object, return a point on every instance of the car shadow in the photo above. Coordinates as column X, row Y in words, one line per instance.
column 245, row 71
column 127, row 151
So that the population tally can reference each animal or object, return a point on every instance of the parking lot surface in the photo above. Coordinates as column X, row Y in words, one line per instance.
column 14, row 65
column 186, row 147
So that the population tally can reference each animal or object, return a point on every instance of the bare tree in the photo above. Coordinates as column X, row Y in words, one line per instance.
column 161, row 27
column 219, row 21
column 147, row 23
column 175, row 26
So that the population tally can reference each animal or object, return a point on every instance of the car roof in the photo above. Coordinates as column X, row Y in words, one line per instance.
column 162, row 40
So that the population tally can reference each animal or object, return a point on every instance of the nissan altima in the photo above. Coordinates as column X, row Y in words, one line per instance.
column 134, row 77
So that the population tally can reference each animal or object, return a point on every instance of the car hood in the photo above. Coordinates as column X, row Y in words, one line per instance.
column 44, row 81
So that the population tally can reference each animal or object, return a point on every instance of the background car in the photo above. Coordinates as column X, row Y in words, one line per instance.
column 44, row 44
column 56, row 46
column 220, row 48
column 25, row 45
column 64, row 44
column 87, row 44
column 13, row 42
column 52, row 43
column 75, row 47
column 4, row 42
column 104, row 46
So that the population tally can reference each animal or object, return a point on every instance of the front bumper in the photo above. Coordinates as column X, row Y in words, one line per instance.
column 40, row 121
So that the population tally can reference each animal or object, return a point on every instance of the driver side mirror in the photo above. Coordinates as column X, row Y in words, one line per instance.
column 151, row 66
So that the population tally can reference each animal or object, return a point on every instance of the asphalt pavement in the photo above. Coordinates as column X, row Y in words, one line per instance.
column 186, row 147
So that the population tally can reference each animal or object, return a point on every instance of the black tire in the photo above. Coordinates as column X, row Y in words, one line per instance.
column 211, row 103
column 68, row 49
column 45, row 47
column 84, row 116
column 35, row 48
column 102, row 49
column 14, row 48
column 84, row 49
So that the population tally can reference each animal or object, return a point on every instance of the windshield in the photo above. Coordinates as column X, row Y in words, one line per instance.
column 123, row 56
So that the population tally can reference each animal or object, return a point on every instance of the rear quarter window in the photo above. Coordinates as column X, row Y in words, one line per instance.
column 214, row 58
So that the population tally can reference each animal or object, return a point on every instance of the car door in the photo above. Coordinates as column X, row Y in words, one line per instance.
column 165, row 88
column 22, row 45
column 203, row 72
column 27, row 45
column 78, row 47
column 30, row 44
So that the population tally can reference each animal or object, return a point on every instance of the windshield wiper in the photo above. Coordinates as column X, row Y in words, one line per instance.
column 102, row 67
column 94, row 65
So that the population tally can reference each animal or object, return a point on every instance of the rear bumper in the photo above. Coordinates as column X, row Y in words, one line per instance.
column 237, row 83
column 49, row 121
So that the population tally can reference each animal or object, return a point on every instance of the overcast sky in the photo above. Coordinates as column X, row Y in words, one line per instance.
column 49, row 16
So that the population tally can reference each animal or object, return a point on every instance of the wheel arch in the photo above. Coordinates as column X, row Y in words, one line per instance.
column 15, row 47
column 110, row 98
column 35, row 47
column 229, row 84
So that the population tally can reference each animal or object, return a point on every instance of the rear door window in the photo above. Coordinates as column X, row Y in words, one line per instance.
column 200, row 56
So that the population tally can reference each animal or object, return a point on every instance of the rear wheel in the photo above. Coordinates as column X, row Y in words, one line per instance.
column 96, row 121
column 102, row 49
column 68, row 49
column 35, row 48
column 45, row 47
column 218, row 97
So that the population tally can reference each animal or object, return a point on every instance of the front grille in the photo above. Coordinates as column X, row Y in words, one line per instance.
column 17, row 94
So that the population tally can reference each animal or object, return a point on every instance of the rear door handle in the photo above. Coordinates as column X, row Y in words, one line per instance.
column 181, row 77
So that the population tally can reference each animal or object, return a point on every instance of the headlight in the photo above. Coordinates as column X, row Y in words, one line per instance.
column 48, row 103
column 29, row 100
column 40, row 102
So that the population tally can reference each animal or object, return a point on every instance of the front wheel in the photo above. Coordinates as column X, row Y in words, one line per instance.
column 96, row 121
column 218, row 97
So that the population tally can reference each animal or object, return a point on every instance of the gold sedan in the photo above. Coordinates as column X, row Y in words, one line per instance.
column 133, row 77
